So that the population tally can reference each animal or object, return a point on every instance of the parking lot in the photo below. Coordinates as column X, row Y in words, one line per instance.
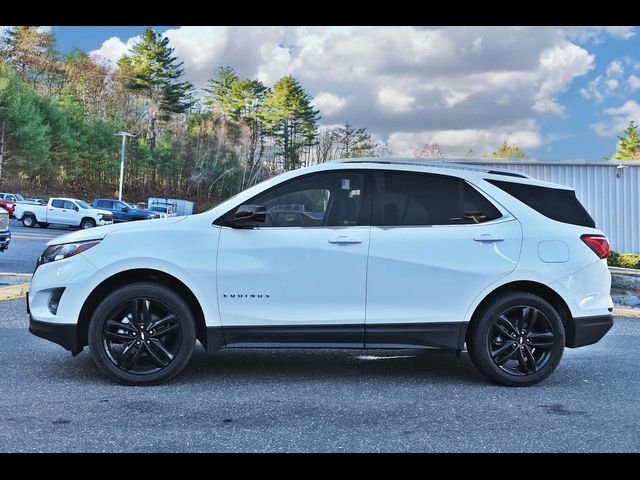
column 313, row 400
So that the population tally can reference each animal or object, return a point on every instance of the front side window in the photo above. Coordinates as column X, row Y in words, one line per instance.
column 336, row 199
column 430, row 199
column 68, row 204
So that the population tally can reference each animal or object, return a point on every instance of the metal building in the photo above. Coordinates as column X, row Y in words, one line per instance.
column 607, row 189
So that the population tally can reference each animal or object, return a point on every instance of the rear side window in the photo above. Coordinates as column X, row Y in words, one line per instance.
column 57, row 203
column 554, row 203
column 427, row 199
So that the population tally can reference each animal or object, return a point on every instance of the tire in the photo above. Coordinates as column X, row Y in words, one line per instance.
column 87, row 223
column 110, row 354
column 43, row 224
column 29, row 221
column 508, row 360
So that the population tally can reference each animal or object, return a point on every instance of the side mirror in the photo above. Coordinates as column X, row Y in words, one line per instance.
column 76, row 208
column 125, row 209
column 248, row 216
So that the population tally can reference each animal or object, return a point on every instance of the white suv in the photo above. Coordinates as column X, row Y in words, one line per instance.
column 356, row 253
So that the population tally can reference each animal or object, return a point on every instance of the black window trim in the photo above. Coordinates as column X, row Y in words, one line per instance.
column 378, row 202
column 368, row 182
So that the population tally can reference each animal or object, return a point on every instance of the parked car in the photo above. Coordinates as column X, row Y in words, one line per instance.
column 12, row 197
column 64, row 211
column 161, row 212
column 9, row 206
column 437, row 255
column 5, row 233
column 123, row 211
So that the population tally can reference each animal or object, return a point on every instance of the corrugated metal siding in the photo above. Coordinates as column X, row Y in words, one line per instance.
column 609, row 194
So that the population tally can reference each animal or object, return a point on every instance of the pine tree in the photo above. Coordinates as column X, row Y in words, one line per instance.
column 629, row 143
column 153, row 72
column 353, row 142
column 219, row 89
column 290, row 120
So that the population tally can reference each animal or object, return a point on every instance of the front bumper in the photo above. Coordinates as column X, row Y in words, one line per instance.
column 5, row 239
column 587, row 330
column 64, row 334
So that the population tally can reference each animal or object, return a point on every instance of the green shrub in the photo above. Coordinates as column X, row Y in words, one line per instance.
column 623, row 260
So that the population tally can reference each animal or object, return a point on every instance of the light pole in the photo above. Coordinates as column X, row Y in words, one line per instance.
column 124, row 136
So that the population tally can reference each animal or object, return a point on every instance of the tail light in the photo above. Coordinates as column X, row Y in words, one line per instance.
column 598, row 243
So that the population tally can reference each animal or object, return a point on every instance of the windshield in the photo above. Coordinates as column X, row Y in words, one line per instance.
column 82, row 204
column 158, row 209
column 19, row 197
column 130, row 205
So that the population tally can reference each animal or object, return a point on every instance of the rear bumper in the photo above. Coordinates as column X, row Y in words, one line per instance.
column 588, row 330
column 64, row 334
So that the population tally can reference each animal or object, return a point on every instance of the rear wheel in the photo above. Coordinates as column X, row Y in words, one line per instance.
column 29, row 221
column 518, row 340
column 87, row 223
column 142, row 334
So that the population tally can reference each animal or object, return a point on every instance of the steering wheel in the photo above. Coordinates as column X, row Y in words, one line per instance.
column 286, row 218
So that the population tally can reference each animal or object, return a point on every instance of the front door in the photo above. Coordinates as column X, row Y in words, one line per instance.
column 299, row 279
column 436, row 244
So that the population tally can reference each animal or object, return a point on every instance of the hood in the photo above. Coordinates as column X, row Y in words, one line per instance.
column 98, row 233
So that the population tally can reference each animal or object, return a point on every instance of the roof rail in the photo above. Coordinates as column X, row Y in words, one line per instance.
column 432, row 163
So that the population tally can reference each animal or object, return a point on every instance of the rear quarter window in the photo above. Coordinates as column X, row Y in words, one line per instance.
column 554, row 203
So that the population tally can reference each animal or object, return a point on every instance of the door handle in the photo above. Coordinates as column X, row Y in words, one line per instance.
column 344, row 239
column 488, row 237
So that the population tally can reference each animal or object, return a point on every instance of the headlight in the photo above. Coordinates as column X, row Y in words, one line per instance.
column 66, row 250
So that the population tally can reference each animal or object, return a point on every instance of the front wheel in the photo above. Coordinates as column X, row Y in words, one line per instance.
column 517, row 340
column 88, row 223
column 142, row 334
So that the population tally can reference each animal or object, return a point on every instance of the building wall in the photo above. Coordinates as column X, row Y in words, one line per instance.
column 609, row 194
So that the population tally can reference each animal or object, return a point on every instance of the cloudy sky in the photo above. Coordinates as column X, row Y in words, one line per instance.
column 559, row 93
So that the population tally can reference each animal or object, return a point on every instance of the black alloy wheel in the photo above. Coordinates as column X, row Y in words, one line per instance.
column 521, row 340
column 517, row 339
column 142, row 334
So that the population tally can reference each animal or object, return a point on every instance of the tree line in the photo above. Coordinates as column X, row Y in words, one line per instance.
column 58, row 114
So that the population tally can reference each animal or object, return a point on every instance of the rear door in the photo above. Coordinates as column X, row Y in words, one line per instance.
column 57, row 212
column 436, row 244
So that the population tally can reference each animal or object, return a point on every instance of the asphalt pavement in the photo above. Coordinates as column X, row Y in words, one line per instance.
column 310, row 400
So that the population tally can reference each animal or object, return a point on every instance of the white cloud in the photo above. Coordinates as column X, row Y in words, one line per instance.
column 615, row 69
column 612, row 84
column 329, row 103
column 457, row 142
column 595, row 34
column 558, row 67
column 601, row 87
column 621, row 117
column 634, row 82
column 391, row 99
column 113, row 48
column 621, row 32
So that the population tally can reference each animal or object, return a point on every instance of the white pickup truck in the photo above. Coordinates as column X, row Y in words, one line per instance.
column 62, row 211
